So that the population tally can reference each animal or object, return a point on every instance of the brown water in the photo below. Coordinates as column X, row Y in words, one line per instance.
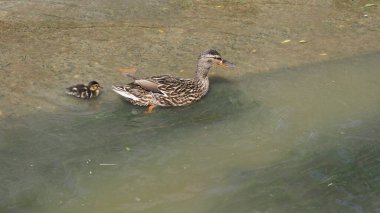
column 289, row 130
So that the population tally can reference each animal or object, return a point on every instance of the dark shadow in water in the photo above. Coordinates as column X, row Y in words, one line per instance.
column 343, row 178
column 223, row 102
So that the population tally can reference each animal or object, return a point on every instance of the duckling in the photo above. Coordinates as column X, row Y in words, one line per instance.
column 91, row 90
column 169, row 90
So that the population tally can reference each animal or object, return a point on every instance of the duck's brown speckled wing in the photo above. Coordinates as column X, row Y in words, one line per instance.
column 163, row 90
column 147, row 85
column 172, row 86
column 176, row 91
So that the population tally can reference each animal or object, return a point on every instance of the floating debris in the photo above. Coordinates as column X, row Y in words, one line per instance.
column 107, row 164
column 127, row 148
column 302, row 41
column 285, row 41
column 161, row 31
column 128, row 70
column 370, row 5
column 322, row 54
column 3, row 66
column 253, row 51
column 219, row 6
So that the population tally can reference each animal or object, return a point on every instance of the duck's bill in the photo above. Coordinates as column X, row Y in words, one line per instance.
column 225, row 63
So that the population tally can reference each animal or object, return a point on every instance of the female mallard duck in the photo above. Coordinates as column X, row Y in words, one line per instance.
column 168, row 90
column 85, row 91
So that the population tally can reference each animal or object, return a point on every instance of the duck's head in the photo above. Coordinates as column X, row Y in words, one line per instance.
column 94, row 85
column 211, row 57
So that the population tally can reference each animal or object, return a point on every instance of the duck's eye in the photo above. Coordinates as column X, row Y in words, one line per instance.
column 218, row 58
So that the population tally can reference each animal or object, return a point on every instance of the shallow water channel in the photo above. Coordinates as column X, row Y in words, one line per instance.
column 294, row 128
column 302, row 139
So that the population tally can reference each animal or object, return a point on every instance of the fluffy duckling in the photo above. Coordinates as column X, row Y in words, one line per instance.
column 91, row 90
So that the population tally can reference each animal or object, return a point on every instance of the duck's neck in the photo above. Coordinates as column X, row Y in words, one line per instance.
column 201, row 79
column 202, row 72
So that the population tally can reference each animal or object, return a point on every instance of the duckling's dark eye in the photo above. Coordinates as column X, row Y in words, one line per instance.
column 218, row 58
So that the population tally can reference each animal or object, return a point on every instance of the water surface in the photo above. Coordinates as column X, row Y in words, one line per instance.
column 294, row 128
column 300, row 139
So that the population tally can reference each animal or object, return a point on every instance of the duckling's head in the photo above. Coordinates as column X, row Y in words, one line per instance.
column 211, row 57
column 93, row 85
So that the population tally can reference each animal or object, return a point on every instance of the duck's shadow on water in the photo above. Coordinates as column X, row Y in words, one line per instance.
column 222, row 103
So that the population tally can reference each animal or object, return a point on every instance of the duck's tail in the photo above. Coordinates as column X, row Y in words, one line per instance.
column 71, row 90
column 121, row 90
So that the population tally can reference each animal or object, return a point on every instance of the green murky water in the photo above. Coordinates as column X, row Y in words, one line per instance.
column 302, row 139
column 265, row 139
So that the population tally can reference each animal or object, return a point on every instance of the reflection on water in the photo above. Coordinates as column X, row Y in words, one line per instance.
column 300, row 140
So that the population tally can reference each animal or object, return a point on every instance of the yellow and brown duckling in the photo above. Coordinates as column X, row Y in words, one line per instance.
column 91, row 90
column 169, row 90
